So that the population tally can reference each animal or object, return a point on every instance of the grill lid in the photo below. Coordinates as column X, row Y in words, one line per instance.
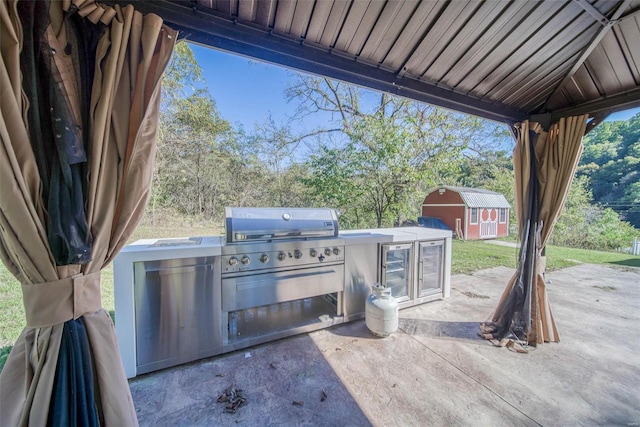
column 254, row 224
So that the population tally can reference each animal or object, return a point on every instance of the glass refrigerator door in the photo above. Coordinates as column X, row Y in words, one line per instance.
column 396, row 269
column 430, row 268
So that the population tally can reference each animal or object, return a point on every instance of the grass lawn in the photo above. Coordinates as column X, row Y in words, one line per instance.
column 468, row 256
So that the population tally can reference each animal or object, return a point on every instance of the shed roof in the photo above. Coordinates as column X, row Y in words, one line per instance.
column 502, row 60
column 479, row 198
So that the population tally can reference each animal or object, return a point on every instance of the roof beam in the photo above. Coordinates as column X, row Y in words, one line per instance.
column 631, row 14
column 202, row 26
column 611, row 104
column 593, row 11
column 590, row 47
column 595, row 121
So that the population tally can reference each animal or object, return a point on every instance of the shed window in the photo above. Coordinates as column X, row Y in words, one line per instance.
column 503, row 215
column 474, row 216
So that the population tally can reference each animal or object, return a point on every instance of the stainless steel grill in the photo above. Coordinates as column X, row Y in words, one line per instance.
column 282, row 273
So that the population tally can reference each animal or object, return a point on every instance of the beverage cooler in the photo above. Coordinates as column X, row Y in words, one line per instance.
column 417, row 271
column 397, row 271
column 430, row 270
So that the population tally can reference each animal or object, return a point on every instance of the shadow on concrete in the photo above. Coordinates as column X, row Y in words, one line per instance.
column 631, row 262
column 431, row 372
column 354, row 329
column 461, row 331
column 284, row 383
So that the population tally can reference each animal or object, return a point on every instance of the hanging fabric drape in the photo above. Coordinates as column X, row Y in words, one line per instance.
column 544, row 166
column 80, row 88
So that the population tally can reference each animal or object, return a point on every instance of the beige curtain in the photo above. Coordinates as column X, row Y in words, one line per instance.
column 556, row 153
column 131, row 57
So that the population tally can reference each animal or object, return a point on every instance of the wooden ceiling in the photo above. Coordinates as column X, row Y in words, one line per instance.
column 498, row 59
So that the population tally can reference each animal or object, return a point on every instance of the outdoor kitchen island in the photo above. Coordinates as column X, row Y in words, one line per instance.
column 179, row 300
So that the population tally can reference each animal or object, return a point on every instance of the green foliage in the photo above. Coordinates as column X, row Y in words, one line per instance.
column 4, row 354
column 182, row 75
column 611, row 160
column 583, row 225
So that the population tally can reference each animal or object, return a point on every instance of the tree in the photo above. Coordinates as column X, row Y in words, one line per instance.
column 585, row 225
column 190, row 172
column 386, row 151
column 276, row 147
column 611, row 160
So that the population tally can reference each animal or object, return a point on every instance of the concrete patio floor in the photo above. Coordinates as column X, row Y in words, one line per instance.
column 434, row 371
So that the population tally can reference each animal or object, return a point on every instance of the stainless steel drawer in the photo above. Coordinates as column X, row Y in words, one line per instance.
column 263, row 289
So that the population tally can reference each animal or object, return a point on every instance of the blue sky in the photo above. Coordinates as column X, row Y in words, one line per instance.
column 246, row 91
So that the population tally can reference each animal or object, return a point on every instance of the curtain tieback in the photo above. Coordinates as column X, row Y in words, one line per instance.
column 51, row 303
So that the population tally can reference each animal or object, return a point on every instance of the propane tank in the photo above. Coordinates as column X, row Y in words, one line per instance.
column 381, row 311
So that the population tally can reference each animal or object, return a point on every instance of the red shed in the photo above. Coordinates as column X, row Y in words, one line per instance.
column 473, row 213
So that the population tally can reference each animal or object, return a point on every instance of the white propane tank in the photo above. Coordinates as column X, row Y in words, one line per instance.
column 381, row 311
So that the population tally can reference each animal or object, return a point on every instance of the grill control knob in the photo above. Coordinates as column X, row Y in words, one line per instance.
column 233, row 261
column 264, row 258
column 297, row 254
column 327, row 251
column 336, row 251
column 245, row 260
column 313, row 253
column 282, row 256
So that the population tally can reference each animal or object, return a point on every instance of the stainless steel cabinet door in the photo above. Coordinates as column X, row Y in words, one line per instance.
column 175, row 316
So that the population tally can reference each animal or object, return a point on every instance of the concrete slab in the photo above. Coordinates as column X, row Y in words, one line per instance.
column 434, row 371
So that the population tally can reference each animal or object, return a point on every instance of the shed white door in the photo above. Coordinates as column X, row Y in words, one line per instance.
column 488, row 223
